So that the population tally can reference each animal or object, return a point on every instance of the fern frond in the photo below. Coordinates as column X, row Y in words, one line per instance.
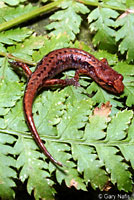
column 128, row 73
column 55, row 42
column 72, row 179
column 25, row 49
column 15, row 118
column 9, row 96
column 6, row 167
column 101, row 21
column 14, row 2
column 125, row 35
column 74, row 119
column 115, row 166
column 90, row 165
column 116, row 132
column 34, row 169
column 102, row 96
column 53, row 101
column 67, row 21
column 15, row 35
column 9, row 13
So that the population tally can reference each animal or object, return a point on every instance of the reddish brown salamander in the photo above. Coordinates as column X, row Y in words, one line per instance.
column 56, row 62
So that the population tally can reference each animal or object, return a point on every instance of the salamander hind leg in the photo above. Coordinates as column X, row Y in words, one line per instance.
column 25, row 67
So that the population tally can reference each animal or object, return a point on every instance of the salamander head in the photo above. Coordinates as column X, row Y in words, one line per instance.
column 116, row 85
column 107, row 78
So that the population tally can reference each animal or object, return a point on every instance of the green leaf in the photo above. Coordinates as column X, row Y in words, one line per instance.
column 126, row 148
column 125, row 35
column 14, row 35
column 121, row 4
column 67, row 21
column 13, row 2
column 130, row 4
column 15, row 118
column 51, row 114
column 2, row 48
column 55, row 42
column 34, row 168
column 75, row 95
column 127, row 151
column 60, row 153
column 128, row 72
column 6, row 170
column 74, row 119
column 111, row 58
column 95, row 133
column 9, row 13
column 101, row 96
column 6, row 192
column 116, row 132
column 8, row 81
column 101, row 21
column 131, row 132
column 72, row 178
column 9, row 95
column 78, row 7
column 6, row 73
column 25, row 49
column 115, row 166
column 88, row 163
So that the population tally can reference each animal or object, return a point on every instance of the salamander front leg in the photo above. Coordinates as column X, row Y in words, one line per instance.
column 78, row 72
column 24, row 66
column 66, row 82
column 104, row 60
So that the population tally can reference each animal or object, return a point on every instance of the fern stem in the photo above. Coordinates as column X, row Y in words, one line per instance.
column 8, row 55
column 10, row 132
column 28, row 16
column 68, row 141
column 87, row 2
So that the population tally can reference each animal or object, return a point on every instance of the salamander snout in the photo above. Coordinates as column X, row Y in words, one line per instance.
column 118, row 84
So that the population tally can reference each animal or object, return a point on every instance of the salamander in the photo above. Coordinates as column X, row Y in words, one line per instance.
column 55, row 62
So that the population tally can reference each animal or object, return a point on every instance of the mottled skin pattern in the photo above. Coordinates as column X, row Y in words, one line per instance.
column 56, row 62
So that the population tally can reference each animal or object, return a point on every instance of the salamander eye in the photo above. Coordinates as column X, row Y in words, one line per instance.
column 110, row 83
column 121, row 77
